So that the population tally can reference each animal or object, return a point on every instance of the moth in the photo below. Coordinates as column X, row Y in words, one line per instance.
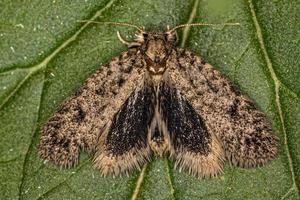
column 157, row 98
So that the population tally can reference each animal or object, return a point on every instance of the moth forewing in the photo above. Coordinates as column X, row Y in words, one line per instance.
column 243, row 130
column 192, row 147
column 124, row 145
column 81, row 118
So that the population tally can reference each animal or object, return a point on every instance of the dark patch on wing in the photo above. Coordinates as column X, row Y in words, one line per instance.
column 80, row 114
column 233, row 110
column 100, row 91
column 249, row 105
column 212, row 87
column 130, row 125
column 234, row 89
column 121, row 81
column 186, row 127
column 63, row 109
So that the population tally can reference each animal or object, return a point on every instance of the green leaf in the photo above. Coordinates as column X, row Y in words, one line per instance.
column 46, row 54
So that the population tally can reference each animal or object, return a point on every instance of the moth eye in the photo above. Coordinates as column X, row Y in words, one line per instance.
column 145, row 35
column 172, row 37
column 175, row 37
column 167, row 37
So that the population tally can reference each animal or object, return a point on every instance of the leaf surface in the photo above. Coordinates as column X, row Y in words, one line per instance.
column 46, row 55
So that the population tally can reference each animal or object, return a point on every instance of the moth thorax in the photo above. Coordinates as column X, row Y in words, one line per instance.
column 156, row 78
column 158, row 69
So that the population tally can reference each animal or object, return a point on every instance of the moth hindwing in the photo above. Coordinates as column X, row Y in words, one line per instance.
column 156, row 98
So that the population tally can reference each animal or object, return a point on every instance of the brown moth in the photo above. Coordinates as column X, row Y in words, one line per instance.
column 156, row 98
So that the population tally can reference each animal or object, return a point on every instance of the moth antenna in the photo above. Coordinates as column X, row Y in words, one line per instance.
column 121, row 39
column 202, row 24
column 115, row 23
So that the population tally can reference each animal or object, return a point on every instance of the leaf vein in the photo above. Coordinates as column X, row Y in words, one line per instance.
column 186, row 30
column 287, row 193
column 277, row 84
column 44, row 63
column 169, row 178
column 16, row 89
column 294, row 94
column 30, row 145
column 42, row 196
column 139, row 183
column 237, row 62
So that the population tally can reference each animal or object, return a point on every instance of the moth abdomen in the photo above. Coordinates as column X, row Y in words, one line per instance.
column 158, row 140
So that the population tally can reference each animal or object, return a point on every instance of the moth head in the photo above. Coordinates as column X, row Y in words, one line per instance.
column 156, row 48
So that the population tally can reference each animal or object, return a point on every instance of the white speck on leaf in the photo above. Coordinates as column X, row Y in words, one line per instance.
column 20, row 25
column 12, row 49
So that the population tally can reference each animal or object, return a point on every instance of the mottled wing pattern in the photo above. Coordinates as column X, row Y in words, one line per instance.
column 124, row 144
column 191, row 144
column 244, row 130
column 81, row 118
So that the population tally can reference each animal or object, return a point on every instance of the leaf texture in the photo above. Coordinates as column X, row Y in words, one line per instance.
column 46, row 54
